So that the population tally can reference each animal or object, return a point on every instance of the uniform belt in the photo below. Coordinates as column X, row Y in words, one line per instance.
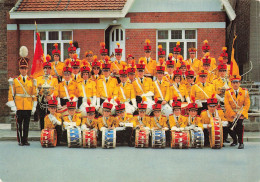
column 24, row 95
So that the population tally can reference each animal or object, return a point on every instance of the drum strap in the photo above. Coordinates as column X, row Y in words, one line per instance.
column 159, row 90
column 202, row 91
column 104, row 122
column 105, row 88
column 66, row 91
column 158, row 124
column 137, row 81
column 84, row 91
column 55, row 70
column 179, row 93
column 123, row 93
column 176, row 121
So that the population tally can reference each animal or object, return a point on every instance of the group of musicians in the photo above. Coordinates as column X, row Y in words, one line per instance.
column 169, row 94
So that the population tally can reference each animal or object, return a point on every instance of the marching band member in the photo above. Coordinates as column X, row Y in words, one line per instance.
column 76, row 76
column 67, row 88
column 131, row 73
column 21, row 98
column 170, row 68
column 56, row 65
column 86, row 88
column 44, row 95
column 178, row 89
column 96, row 71
column 158, row 121
column 150, row 64
column 73, row 119
column 176, row 120
column 130, row 60
column 206, row 66
column 106, row 86
column 53, row 120
column 161, row 53
column 205, row 50
column 126, row 93
column 103, row 51
column 176, row 53
column 89, row 122
column 202, row 91
column 183, row 70
column 193, row 61
column 237, row 103
column 89, row 59
column 190, row 79
column 214, row 112
column 118, row 64
column 71, row 51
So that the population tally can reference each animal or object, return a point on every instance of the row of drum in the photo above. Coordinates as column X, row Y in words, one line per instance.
column 179, row 139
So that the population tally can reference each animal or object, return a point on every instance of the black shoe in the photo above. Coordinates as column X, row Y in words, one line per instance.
column 26, row 143
column 226, row 141
column 223, row 145
column 20, row 144
column 241, row 146
column 233, row 144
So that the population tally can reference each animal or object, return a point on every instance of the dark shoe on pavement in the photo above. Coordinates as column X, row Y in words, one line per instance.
column 233, row 144
column 241, row 146
column 20, row 144
column 27, row 143
column 226, row 141
column 223, row 145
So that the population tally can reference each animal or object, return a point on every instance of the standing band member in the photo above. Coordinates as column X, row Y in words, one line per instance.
column 57, row 66
column 21, row 98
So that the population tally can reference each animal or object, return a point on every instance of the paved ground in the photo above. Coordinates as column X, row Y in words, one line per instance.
column 35, row 163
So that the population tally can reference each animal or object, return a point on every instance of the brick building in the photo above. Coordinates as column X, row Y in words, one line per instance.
column 128, row 22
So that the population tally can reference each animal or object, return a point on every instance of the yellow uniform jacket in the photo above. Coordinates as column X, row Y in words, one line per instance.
column 145, row 121
column 196, row 91
column 150, row 67
column 110, row 86
column 188, row 87
column 213, row 65
column 126, row 119
column 169, row 78
column 194, row 64
column 107, row 122
column 206, row 115
column 146, row 86
column 182, row 94
column 160, row 122
column 125, row 93
column 164, row 86
column 177, row 121
column 71, row 87
column 48, row 123
column 75, row 118
column 23, row 100
column 95, row 78
column 89, row 86
column 194, row 121
column 116, row 65
column 78, row 77
column 51, row 81
column 89, row 123
column 221, row 83
column 233, row 104
column 57, row 68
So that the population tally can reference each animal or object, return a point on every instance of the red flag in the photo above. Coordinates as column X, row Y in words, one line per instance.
column 37, row 69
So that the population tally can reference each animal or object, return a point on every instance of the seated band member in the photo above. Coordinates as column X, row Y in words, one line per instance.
column 86, row 88
column 202, row 91
column 158, row 121
column 57, row 65
column 67, row 88
column 123, row 119
column 177, row 121
column 53, row 120
column 237, row 104
column 73, row 119
column 215, row 112
column 89, row 122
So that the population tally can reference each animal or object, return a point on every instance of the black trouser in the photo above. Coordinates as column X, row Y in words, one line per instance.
column 168, row 137
column 23, row 120
column 238, row 132
column 59, row 133
column 204, row 107
column 206, row 137
column 43, row 111
column 124, row 135
column 80, row 101
column 63, row 101
column 226, row 131
column 64, row 136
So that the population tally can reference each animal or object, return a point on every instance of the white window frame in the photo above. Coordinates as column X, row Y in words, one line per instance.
column 60, row 41
column 167, row 41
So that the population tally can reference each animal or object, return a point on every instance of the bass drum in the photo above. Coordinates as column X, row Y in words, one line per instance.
column 158, row 139
column 216, row 134
column 89, row 138
column 74, row 137
column 196, row 139
column 180, row 139
column 141, row 138
column 109, row 138
column 48, row 138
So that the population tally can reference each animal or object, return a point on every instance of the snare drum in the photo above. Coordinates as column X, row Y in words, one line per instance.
column 216, row 134
column 158, row 139
column 180, row 139
column 89, row 138
column 141, row 138
column 74, row 137
column 63, row 111
column 48, row 138
column 196, row 139
column 109, row 138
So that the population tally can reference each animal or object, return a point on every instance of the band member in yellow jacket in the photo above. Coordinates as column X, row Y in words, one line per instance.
column 71, row 50
column 176, row 54
column 86, row 88
column 45, row 93
column 193, row 61
column 158, row 121
column 190, row 79
column 89, row 59
column 96, row 72
column 150, row 64
column 161, row 54
column 193, row 120
column 205, row 50
column 22, row 98
column 103, row 52
column 206, row 60
column 89, row 122
column 118, row 64
column 202, row 91
column 169, row 68
column 53, row 120
column 56, row 65
column 75, row 65
column 237, row 104
column 67, row 88
column 212, row 111
column 177, row 121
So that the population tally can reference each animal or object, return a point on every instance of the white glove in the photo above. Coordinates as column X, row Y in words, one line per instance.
column 14, row 109
column 178, row 129
column 147, row 128
column 149, row 94
column 205, row 125
column 102, row 129
column 34, row 107
column 121, row 124
column 195, row 129
column 199, row 128
column 83, row 127
column 134, row 103
column 66, row 124
column 181, row 129
column 71, row 124
column 166, row 128
column 224, row 123
column 209, row 125
column 174, row 128
column 170, row 102
column 11, row 104
column 187, row 128
column 75, row 99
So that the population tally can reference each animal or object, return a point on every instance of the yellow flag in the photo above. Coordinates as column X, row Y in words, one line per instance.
column 234, row 70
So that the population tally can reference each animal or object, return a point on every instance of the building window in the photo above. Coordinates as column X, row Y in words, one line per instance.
column 169, row 38
column 62, row 38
